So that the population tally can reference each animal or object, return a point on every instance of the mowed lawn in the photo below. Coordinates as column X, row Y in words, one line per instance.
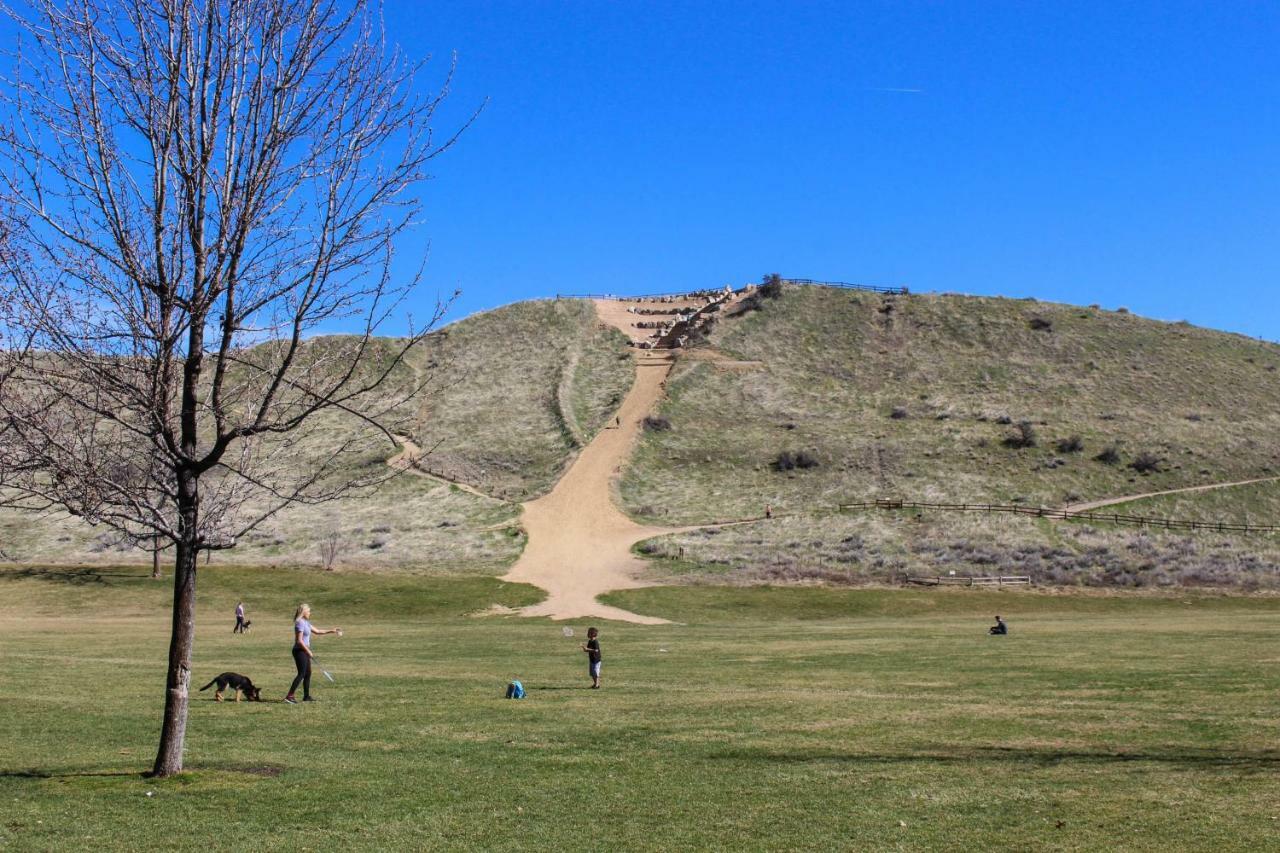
column 802, row 718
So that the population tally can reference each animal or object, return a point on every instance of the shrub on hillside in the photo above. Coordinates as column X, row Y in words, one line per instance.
column 701, row 335
column 806, row 460
column 1041, row 324
column 790, row 461
column 1146, row 463
column 1109, row 456
column 1073, row 444
column 898, row 413
column 771, row 286
column 1023, row 436
column 656, row 423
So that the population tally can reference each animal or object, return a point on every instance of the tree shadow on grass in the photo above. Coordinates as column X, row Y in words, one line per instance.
column 32, row 773
column 1184, row 758
column 263, row 770
column 83, row 576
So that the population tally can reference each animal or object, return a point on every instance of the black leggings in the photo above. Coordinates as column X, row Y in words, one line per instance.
column 302, row 661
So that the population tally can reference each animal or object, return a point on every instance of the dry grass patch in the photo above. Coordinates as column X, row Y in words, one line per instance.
column 834, row 363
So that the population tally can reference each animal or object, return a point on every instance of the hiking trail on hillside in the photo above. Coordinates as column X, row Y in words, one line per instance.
column 580, row 543
column 408, row 460
column 1099, row 504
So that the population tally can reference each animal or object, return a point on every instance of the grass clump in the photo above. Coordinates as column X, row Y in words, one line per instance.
column 1146, row 463
column 1022, row 437
column 789, row 460
column 1109, row 456
column 1071, row 444
column 656, row 423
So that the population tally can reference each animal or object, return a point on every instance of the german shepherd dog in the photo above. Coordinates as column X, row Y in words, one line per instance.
column 236, row 682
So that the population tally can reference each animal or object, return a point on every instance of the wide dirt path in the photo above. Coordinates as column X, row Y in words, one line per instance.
column 1091, row 505
column 579, row 542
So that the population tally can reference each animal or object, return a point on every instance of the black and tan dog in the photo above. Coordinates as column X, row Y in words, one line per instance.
column 236, row 682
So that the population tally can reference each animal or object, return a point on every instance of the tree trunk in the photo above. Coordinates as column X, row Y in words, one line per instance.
column 155, row 558
column 181, row 641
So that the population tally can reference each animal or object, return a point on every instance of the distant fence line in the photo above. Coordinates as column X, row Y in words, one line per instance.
column 845, row 285
column 965, row 580
column 639, row 296
column 1067, row 515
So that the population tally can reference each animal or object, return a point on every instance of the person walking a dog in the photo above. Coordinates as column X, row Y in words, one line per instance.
column 302, row 631
column 240, row 623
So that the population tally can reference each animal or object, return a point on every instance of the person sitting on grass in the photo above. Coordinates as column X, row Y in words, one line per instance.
column 999, row 628
column 592, row 648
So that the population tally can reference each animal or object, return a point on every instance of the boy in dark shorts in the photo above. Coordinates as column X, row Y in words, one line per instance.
column 592, row 648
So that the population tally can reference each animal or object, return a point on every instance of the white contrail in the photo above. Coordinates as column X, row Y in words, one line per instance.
column 895, row 89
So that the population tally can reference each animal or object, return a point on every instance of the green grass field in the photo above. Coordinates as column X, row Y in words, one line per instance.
column 766, row 718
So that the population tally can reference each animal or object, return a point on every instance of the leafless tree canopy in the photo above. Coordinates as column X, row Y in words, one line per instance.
column 193, row 189
column 190, row 191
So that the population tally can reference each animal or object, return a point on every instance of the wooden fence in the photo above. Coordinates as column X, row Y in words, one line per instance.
column 1065, row 515
column 640, row 297
column 962, row 580
column 845, row 285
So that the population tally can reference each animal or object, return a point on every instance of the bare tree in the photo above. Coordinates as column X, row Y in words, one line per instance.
column 331, row 546
column 192, row 190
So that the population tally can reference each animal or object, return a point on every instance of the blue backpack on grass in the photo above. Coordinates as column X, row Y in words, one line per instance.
column 515, row 690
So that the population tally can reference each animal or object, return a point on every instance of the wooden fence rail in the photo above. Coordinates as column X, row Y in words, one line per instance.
column 961, row 580
column 845, row 285
column 1065, row 515
column 640, row 297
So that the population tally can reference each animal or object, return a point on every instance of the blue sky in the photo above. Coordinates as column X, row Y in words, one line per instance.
column 1126, row 154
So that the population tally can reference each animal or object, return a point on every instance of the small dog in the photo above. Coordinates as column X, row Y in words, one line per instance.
column 248, row 623
column 238, row 683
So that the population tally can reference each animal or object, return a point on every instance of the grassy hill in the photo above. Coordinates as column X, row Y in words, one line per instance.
column 917, row 397
column 521, row 389
column 514, row 393
column 922, row 397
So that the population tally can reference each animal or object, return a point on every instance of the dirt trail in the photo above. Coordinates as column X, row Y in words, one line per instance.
column 580, row 543
column 407, row 459
column 1091, row 505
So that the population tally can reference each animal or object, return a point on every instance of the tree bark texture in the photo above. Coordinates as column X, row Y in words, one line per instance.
column 178, row 678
